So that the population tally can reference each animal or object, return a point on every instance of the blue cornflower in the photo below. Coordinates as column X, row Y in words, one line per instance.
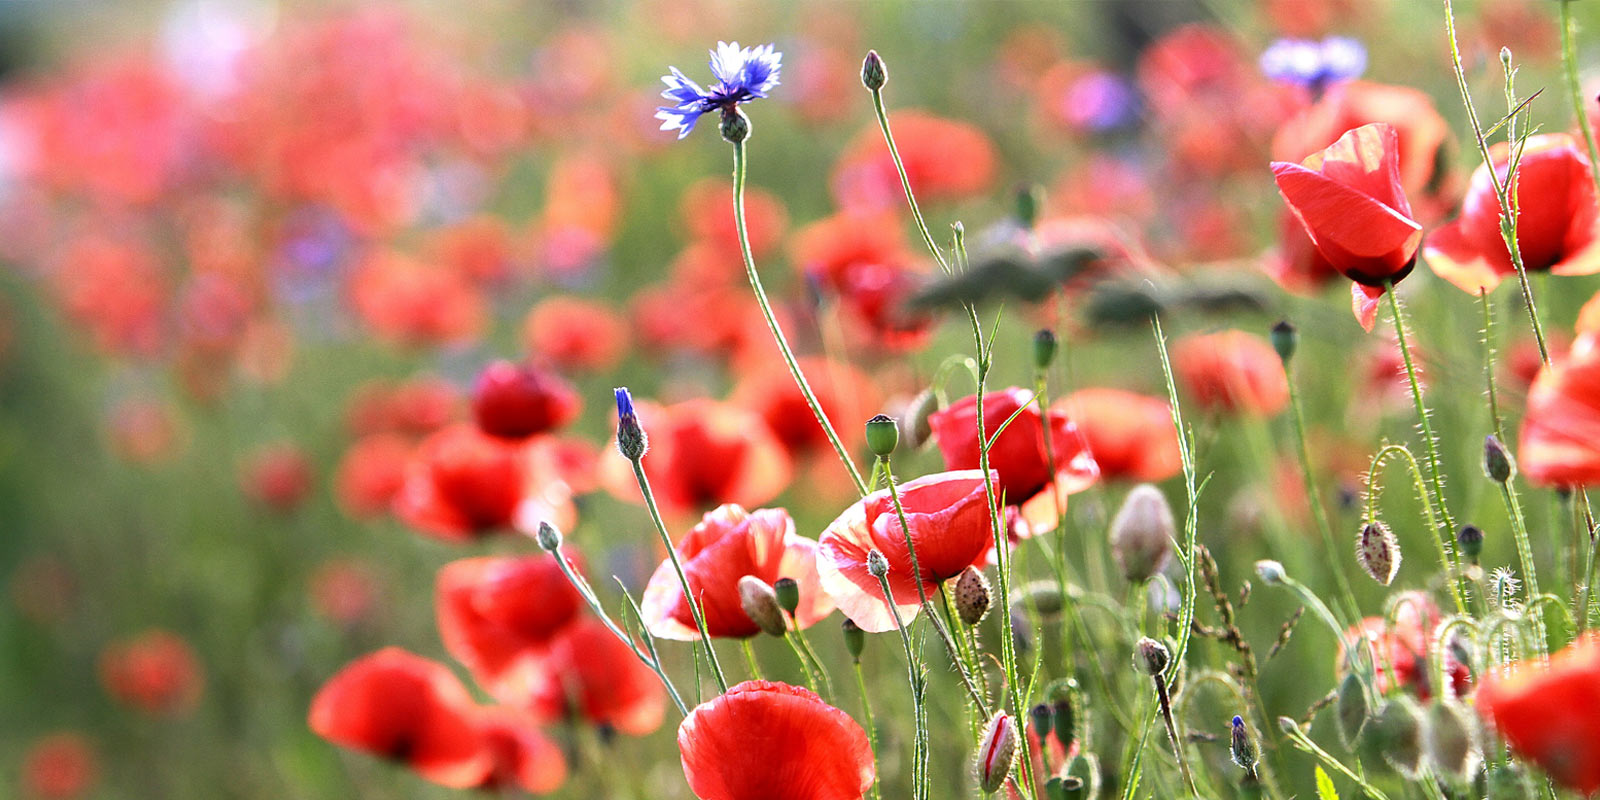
column 1314, row 64
column 742, row 74
column 631, row 439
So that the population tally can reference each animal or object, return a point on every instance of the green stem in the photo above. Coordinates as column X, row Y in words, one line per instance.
column 1378, row 460
column 1318, row 511
column 1569, row 62
column 805, row 648
column 919, row 765
column 1305, row 743
column 750, row 659
column 872, row 725
column 1519, row 532
column 805, row 667
column 777, row 331
column 677, row 566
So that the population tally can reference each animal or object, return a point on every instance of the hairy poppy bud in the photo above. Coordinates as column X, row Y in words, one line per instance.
column 735, row 125
column 997, row 753
column 873, row 73
column 1378, row 551
column 1151, row 656
column 1396, row 731
column 1498, row 463
column 1064, row 712
column 1450, row 739
column 1285, row 338
column 1044, row 349
column 914, row 426
column 788, row 591
column 1270, row 572
column 549, row 538
column 760, row 604
column 855, row 640
column 1142, row 533
column 972, row 596
column 631, row 439
column 1351, row 708
column 877, row 565
column 1470, row 540
column 883, row 435
column 1043, row 717
column 1241, row 748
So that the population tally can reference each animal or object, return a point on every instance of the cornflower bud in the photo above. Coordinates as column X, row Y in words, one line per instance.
column 883, row 435
column 760, row 604
column 1498, row 463
column 1142, row 533
column 1044, row 349
column 631, row 439
column 855, row 640
column 1379, row 552
column 788, row 591
column 877, row 565
column 1285, row 339
column 972, row 596
column 1242, row 748
column 1151, row 656
column 997, row 753
column 735, row 125
column 873, row 73
column 549, row 538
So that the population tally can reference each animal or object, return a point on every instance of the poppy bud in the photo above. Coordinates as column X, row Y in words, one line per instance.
column 735, row 125
column 1142, row 533
column 1043, row 717
column 1498, row 463
column 1029, row 198
column 883, row 435
column 1379, row 552
column 1288, row 726
column 1470, row 539
column 549, row 538
column 972, row 596
column 855, row 640
column 1449, row 738
column 788, row 591
column 1064, row 712
column 760, row 604
column 997, row 753
column 1151, row 656
column 1396, row 732
column 877, row 565
column 631, row 439
column 1044, row 349
column 1242, row 748
column 1086, row 770
column 1351, row 708
column 1270, row 572
column 914, row 426
column 1285, row 338
column 873, row 73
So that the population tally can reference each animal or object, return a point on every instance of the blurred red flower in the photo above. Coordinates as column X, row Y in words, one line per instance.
column 575, row 334
column 1407, row 647
column 113, row 288
column 1130, row 436
column 60, row 766
column 344, row 591
column 1019, row 453
column 590, row 674
column 1557, row 219
column 478, row 248
column 461, row 483
column 1352, row 204
column 876, row 316
column 728, row 544
column 703, row 453
column 944, row 159
column 830, row 249
column 156, row 672
column 276, row 476
column 707, row 210
column 144, row 431
column 418, row 406
column 371, row 473
column 1420, row 131
column 408, row 709
column 1558, row 445
column 949, row 519
column 515, row 402
column 1231, row 372
column 412, row 303
column 524, row 758
column 1546, row 712
column 764, row 740
column 845, row 393
column 499, row 615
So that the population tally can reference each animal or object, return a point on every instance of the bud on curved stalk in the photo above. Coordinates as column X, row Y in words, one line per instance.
column 1450, row 739
column 760, row 604
column 973, row 596
column 997, row 753
column 788, row 591
column 1242, row 749
column 631, row 439
column 1043, row 718
column 1044, row 349
column 1270, row 572
column 1288, row 726
column 1351, row 708
column 1396, row 731
column 914, row 426
column 549, row 538
column 1151, row 657
column 1378, row 551
column 1498, row 463
column 873, row 72
column 883, row 435
column 1142, row 533
column 1285, row 339
column 855, row 639
column 735, row 125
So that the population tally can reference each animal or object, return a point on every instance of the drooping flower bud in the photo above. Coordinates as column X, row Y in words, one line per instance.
column 1241, row 748
column 1378, row 551
column 760, row 604
column 1044, row 349
column 972, row 596
column 1151, row 656
column 1450, row 739
column 855, row 640
column 1498, row 463
column 873, row 73
column 1396, row 731
column 631, row 439
column 1142, row 533
column 735, row 125
column 1270, row 572
column 1470, row 540
column 1064, row 706
column 914, row 426
column 883, row 435
column 1285, row 339
column 1043, row 717
column 1351, row 708
column 549, row 538
column 788, row 591
column 997, row 753
column 877, row 565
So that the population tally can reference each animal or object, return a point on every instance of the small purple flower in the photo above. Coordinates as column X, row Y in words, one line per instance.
column 1314, row 64
column 631, row 439
column 742, row 74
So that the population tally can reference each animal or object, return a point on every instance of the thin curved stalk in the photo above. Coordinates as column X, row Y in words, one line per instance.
column 919, row 757
column 677, row 566
column 1569, row 63
column 1378, row 460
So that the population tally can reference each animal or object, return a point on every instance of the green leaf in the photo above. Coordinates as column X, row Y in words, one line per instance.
column 1325, row 789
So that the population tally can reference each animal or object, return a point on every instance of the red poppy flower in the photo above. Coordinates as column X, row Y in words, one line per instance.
column 575, row 334
column 407, row 302
column 409, row 709
column 523, row 756
column 1350, row 200
column 873, row 300
column 145, row 431
column 277, row 476
column 1019, row 454
column 371, row 473
column 1130, row 435
column 344, row 591
column 590, row 674
column 771, row 741
column 830, row 249
column 1557, row 218
column 1420, row 131
column 462, row 483
column 728, row 544
column 156, row 672
column 702, row 454
column 1560, row 439
column 1296, row 264
column 944, row 159
column 707, row 210
column 514, row 402
column 1231, row 372
column 418, row 406
column 1407, row 647
column 497, row 615
column 949, row 519
column 1546, row 713
column 60, row 766
column 113, row 288
column 845, row 393
column 478, row 249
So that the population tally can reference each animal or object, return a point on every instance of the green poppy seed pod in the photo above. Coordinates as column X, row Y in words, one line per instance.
column 1498, row 463
column 1151, row 656
column 1043, row 718
column 855, row 639
column 788, row 591
column 1030, row 197
column 973, row 596
column 1470, row 540
column 1270, row 572
column 549, row 538
column 997, row 753
column 1396, row 732
column 1507, row 781
column 1450, row 739
column 735, row 125
column 1241, row 748
column 1142, row 533
column 1285, row 338
column 873, row 73
column 1351, row 708
column 1378, row 552
column 877, row 565
column 914, row 426
column 760, row 604
column 1044, row 349
column 883, row 435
